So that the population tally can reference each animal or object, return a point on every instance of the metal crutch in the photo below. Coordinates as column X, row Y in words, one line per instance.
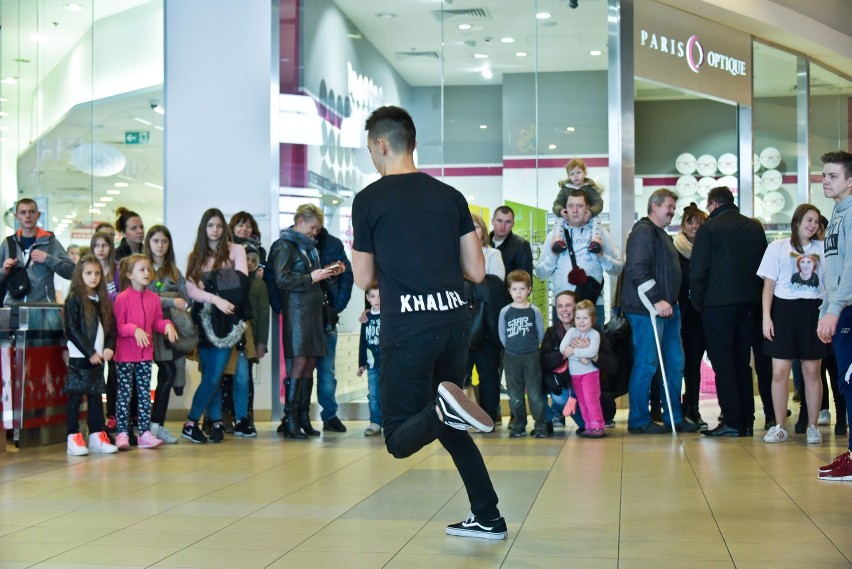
column 643, row 296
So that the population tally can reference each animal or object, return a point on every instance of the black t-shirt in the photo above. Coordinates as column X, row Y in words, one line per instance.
column 412, row 224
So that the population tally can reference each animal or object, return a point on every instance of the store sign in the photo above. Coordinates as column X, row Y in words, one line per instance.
column 686, row 51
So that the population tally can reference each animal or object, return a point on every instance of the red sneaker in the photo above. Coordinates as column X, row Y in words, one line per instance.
column 842, row 472
column 840, row 458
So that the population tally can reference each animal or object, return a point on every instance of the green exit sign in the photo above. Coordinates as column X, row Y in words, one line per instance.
column 137, row 137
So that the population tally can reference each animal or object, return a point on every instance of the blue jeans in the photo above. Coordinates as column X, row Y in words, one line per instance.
column 646, row 362
column 241, row 387
column 558, row 404
column 374, row 395
column 326, row 380
column 209, row 394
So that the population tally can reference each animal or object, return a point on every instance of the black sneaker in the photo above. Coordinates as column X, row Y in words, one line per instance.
column 193, row 433
column 540, row 433
column 651, row 428
column 459, row 412
column 517, row 433
column 482, row 529
column 244, row 429
column 334, row 424
column 217, row 434
column 686, row 427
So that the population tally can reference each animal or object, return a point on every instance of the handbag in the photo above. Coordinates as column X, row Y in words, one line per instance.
column 476, row 309
column 187, row 333
column 17, row 281
column 78, row 380
column 585, row 287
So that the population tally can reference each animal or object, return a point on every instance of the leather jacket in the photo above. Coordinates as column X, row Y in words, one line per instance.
column 82, row 332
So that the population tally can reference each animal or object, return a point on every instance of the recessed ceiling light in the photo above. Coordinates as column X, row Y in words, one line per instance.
column 483, row 126
column 99, row 204
column 153, row 185
column 507, row 40
column 143, row 121
column 37, row 38
column 480, row 56
column 386, row 15
column 543, row 15
column 570, row 129
column 487, row 73
column 4, row 114
column 159, row 109
column 4, row 99
column 121, row 184
column 551, row 147
column 9, row 80
column 595, row 52
column 465, row 26
column 106, row 199
column 94, row 210
column 114, row 192
column 471, row 197
column 521, row 54
column 73, row 6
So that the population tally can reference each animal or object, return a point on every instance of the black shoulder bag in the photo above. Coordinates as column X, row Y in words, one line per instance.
column 17, row 281
column 586, row 287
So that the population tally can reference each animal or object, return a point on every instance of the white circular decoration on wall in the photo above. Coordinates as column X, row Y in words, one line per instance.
column 685, row 163
column 773, row 202
column 702, row 205
column 758, row 207
column 682, row 203
column 98, row 159
column 771, row 180
column 706, row 165
column 770, row 158
column 706, row 184
column 756, row 163
column 687, row 185
column 728, row 163
column 758, row 183
column 731, row 182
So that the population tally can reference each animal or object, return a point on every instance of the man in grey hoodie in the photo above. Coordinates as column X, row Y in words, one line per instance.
column 37, row 250
column 835, row 323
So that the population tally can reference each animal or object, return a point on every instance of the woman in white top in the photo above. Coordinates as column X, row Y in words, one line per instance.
column 793, row 271
column 493, row 257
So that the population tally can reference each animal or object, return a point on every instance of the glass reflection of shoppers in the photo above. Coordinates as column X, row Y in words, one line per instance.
column 424, row 366
column 215, row 259
column 691, row 327
column 295, row 265
column 129, row 225
column 790, row 316
column 168, row 282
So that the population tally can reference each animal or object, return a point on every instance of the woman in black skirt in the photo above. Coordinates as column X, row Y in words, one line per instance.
column 793, row 271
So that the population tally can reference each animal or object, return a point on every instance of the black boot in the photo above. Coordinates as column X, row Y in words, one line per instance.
column 304, row 416
column 228, row 418
column 290, row 428
column 802, row 424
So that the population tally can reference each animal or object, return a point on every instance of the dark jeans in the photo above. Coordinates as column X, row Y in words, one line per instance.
column 410, row 373
column 729, row 330
column 694, row 344
column 486, row 358
column 166, row 372
column 95, row 413
column 523, row 374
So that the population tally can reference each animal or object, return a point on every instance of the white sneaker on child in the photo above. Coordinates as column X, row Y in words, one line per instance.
column 76, row 445
column 99, row 442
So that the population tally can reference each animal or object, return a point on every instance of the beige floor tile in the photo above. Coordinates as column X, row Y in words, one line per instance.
column 678, row 564
column 329, row 541
column 407, row 561
column 16, row 552
column 267, row 524
column 116, row 555
column 307, row 559
column 373, row 527
column 805, row 553
column 171, row 537
column 593, row 548
column 680, row 550
column 573, row 531
column 703, row 529
column 522, row 562
column 172, row 521
column 774, row 529
column 44, row 534
column 454, row 545
column 208, row 558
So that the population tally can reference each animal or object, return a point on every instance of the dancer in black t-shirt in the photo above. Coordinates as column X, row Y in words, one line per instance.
column 425, row 323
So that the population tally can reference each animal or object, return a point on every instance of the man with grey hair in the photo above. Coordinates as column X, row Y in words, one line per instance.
column 652, row 269
column 725, row 289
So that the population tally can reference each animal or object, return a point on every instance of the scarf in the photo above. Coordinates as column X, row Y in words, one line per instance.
column 303, row 242
column 683, row 245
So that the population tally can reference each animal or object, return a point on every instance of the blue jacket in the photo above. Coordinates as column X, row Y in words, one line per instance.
column 338, row 290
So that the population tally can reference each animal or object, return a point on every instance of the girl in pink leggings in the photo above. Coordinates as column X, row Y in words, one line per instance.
column 585, row 377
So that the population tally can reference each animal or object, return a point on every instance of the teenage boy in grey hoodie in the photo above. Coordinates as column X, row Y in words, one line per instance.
column 39, row 251
column 835, row 323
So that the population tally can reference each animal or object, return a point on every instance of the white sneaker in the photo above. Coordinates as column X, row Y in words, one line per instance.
column 813, row 435
column 163, row 434
column 373, row 430
column 99, row 442
column 76, row 445
column 824, row 417
column 776, row 434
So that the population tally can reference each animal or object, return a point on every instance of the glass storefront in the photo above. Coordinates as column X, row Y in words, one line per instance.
column 81, row 128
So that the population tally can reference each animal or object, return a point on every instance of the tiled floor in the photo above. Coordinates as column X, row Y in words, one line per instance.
column 627, row 501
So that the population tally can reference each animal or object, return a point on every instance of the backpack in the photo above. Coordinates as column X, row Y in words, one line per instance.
column 17, row 281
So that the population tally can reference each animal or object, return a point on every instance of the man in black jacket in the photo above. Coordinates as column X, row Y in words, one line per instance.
column 652, row 263
column 338, row 291
column 516, row 251
column 725, row 288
